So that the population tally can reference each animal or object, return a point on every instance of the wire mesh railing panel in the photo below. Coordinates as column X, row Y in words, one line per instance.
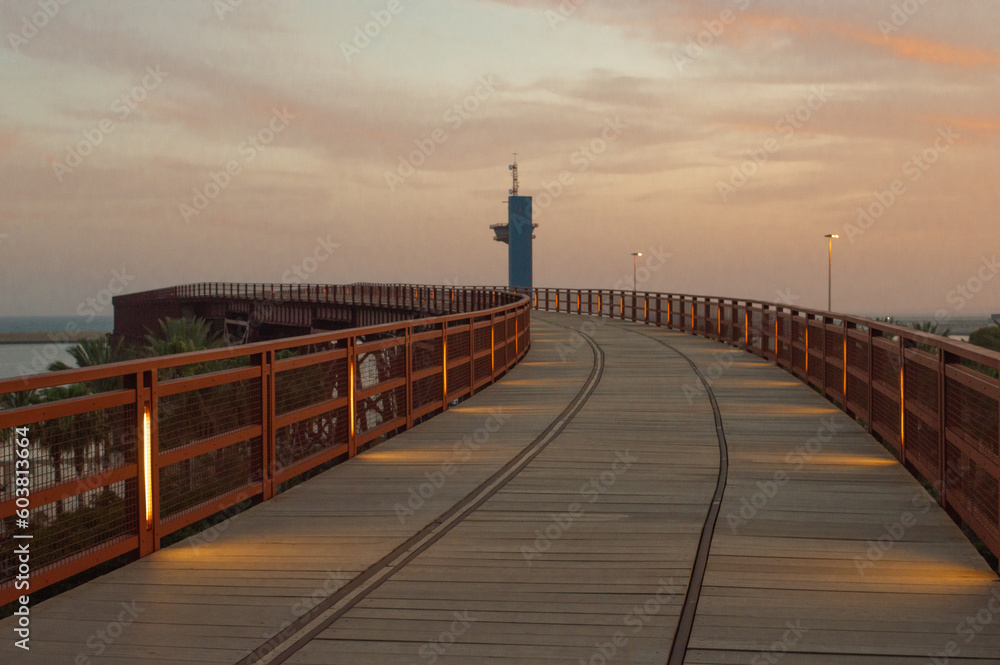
column 197, row 415
column 80, row 449
column 310, row 437
column 427, row 353
column 301, row 387
column 202, row 479
column 921, row 387
column 922, row 445
column 428, row 390
column 72, row 528
column 376, row 410
column 500, row 342
column 975, row 489
column 972, row 415
column 834, row 360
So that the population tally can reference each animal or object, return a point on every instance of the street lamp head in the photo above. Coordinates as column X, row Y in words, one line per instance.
column 831, row 235
column 636, row 253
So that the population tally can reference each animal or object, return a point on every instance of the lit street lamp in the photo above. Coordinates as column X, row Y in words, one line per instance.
column 635, row 261
column 829, row 273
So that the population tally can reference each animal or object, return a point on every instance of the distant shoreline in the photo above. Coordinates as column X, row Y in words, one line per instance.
column 48, row 337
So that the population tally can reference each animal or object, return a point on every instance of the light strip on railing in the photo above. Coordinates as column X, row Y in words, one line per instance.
column 444, row 362
column 350, row 396
column 147, row 464
column 845, row 365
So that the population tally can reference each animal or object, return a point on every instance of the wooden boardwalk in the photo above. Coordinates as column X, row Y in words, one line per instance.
column 555, row 518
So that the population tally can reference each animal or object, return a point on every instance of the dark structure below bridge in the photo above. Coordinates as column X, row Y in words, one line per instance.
column 261, row 312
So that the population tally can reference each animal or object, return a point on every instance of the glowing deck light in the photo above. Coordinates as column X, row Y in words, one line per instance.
column 147, row 464
column 493, row 350
column 577, row 303
column 807, row 353
column 645, row 309
column 746, row 328
column 444, row 362
column 536, row 299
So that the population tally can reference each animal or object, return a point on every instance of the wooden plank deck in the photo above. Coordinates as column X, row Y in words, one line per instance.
column 582, row 555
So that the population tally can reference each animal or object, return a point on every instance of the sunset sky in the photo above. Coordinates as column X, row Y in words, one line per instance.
column 732, row 135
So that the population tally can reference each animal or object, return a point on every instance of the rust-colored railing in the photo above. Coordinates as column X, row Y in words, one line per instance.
column 933, row 400
column 118, row 456
column 440, row 299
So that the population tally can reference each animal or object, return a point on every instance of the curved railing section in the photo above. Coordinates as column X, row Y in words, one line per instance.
column 116, row 457
column 933, row 400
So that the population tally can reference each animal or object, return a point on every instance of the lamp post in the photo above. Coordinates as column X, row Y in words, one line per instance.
column 829, row 273
column 635, row 262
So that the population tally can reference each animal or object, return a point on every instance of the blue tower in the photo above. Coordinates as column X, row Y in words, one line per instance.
column 517, row 233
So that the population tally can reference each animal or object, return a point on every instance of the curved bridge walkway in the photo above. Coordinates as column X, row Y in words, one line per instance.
column 565, row 515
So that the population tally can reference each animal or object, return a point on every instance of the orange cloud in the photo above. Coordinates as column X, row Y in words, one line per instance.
column 908, row 48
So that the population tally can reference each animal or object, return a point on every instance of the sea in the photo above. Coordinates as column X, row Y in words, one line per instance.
column 23, row 359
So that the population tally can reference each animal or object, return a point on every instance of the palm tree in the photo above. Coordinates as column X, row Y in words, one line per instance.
column 61, row 435
column 182, row 336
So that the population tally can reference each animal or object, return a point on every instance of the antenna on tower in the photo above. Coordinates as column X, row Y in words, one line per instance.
column 513, row 168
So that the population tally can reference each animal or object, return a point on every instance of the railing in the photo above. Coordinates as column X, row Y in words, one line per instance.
column 121, row 455
column 426, row 298
column 933, row 400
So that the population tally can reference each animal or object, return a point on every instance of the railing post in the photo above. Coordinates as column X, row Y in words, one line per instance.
column 267, row 423
column 902, row 399
column 871, row 377
column 472, row 355
column 409, row 377
column 146, row 506
column 352, row 446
